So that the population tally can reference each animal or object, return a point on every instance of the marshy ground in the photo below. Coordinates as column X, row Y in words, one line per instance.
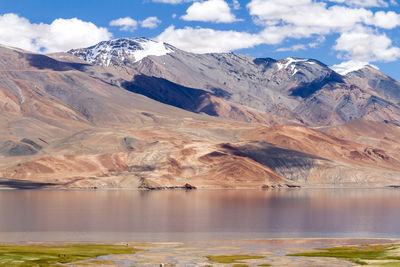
column 277, row 252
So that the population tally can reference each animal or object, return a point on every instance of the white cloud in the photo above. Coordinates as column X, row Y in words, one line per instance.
column 60, row 35
column 125, row 24
column 129, row 24
column 319, row 40
column 386, row 20
column 361, row 30
column 236, row 4
column 362, row 3
column 150, row 22
column 364, row 45
column 172, row 1
column 318, row 18
column 211, row 11
column 298, row 19
column 349, row 66
column 307, row 13
column 201, row 40
column 292, row 48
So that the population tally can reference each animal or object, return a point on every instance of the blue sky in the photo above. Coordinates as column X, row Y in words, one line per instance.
column 346, row 32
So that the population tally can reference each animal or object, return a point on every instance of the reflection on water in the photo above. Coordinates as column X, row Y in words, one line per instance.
column 197, row 214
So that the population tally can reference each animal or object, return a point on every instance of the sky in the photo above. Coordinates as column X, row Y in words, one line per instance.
column 344, row 34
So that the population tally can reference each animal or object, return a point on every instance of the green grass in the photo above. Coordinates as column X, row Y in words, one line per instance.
column 13, row 255
column 232, row 258
column 357, row 254
column 390, row 264
column 265, row 264
column 96, row 263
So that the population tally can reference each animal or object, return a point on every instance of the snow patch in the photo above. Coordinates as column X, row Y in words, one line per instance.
column 151, row 48
column 292, row 63
column 288, row 62
column 350, row 66
column 118, row 50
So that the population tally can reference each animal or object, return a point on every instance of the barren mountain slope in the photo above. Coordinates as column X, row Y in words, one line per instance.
column 68, row 124
column 65, row 127
column 371, row 78
column 370, row 133
column 206, row 155
column 302, row 91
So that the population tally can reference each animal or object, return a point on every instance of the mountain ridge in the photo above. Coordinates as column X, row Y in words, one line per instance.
column 184, row 120
column 292, row 88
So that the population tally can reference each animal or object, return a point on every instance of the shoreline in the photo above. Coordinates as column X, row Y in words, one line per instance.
column 178, row 189
column 257, row 252
column 280, row 239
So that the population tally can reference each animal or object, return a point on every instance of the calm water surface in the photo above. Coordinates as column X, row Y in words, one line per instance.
column 197, row 215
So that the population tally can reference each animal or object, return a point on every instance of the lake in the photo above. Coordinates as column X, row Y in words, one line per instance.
column 125, row 215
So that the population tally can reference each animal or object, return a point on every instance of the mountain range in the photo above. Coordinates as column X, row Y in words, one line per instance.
column 136, row 113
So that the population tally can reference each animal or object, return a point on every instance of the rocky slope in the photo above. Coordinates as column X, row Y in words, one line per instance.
column 303, row 91
column 115, row 119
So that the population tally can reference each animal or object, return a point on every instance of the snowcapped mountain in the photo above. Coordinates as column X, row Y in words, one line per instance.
column 292, row 64
column 297, row 89
column 121, row 52
column 147, row 111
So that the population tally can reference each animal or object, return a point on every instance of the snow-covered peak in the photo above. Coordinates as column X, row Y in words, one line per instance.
column 121, row 51
column 345, row 68
column 290, row 64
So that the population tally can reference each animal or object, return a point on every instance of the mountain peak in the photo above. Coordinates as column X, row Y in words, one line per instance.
column 294, row 65
column 122, row 51
column 352, row 66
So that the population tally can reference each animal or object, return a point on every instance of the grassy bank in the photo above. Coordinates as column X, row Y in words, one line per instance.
column 236, row 259
column 377, row 255
column 16, row 255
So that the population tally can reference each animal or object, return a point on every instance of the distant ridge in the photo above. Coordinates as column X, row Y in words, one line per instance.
column 121, row 51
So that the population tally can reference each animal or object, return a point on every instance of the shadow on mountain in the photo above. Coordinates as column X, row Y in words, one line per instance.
column 305, row 90
column 43, row 62
column 291, row 164
column 264, row 62
column 170, row 93
column 24, row 147
column 22, row 184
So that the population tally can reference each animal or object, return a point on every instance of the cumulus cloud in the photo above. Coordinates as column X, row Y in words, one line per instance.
column 125, row 24
column 60, row 35
column 172, row 1
column 211, row 10
column 364, row 45
column 306, row 13
column 203, row 40
column 319, row 18
column 292, row 48
column 359, row 28
column 386, row 20
column 130, row 25
column 363, row 3
column 150, row 22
